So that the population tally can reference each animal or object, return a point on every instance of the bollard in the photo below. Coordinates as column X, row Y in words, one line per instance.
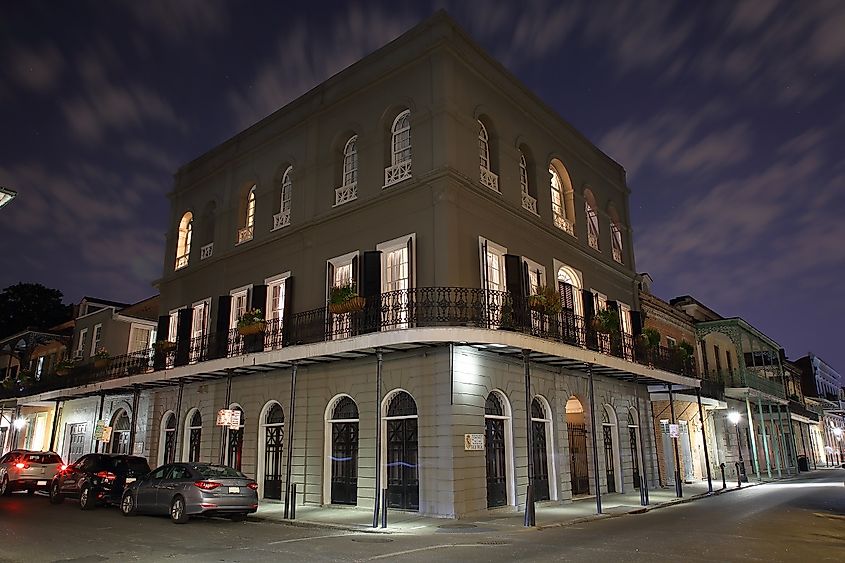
column 738, row 476
column 293, row 502
column 724, row 481
column 384, row 508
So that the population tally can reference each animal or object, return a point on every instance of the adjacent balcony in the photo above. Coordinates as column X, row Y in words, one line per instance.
column 564, row 224
column 345, row 194
column 281, row 219
column 392, row 311
column 206, row 251
column 489, row 179
column 529, row 203
column 181, row 261
column 397, row 173
column 245, row 234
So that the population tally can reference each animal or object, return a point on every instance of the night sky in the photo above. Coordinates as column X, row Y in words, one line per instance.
column 728, row 116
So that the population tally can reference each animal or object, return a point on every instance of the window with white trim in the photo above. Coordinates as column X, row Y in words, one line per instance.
column 239, row 306
column 96, row 338
column 592, row 226
column 80, row 344
column 536, row 275
column 282, row 218
column 199, row 318
column 397, row 273
column 523, row 174
column 401, row 138
column 247, row 231
column 276, row 298
column 173, row 325
column 140, row 338
column 616, row 241
column 492, row 264
column 483, row 146
column 183, row 243
column 350, row 161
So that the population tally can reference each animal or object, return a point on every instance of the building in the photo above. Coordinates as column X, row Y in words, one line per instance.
column 448, row 306
column 824, row 385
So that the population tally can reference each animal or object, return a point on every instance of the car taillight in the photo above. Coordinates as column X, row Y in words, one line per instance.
column 62, row 467
column 107, row 475
column 253, row 486
column 206, row 485
column 22, row 465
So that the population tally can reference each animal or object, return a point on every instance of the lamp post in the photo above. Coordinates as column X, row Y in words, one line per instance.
column 734, row 417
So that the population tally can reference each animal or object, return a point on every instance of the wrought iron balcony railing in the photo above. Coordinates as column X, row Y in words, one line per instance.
column 396, row 310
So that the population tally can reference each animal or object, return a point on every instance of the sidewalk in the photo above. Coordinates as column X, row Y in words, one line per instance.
column 548, row 514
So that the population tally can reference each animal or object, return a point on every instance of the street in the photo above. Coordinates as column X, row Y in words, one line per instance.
column 800, row 519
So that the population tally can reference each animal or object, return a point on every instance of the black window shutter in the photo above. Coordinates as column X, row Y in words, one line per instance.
column 287, row 314
column 356, row 275
column 259, row 298
column 514, row 277
column 371, row 282
column 589, row 305
column 410, row 261
column 221, row 335
column 329, row 280
column 162, row 330
column 184, row 318
column 526, row 277
column 636, row 323
column 567, row 298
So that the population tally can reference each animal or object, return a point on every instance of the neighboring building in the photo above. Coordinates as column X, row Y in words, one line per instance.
column 824, row 384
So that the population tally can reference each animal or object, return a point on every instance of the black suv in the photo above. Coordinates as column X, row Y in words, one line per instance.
column 97, row 479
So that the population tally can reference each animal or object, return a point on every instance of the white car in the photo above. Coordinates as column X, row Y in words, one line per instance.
column 25, row 470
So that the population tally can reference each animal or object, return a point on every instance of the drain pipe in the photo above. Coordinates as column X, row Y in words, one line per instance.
column 177, row 456
column 595, row 446
column 223, row 428
column 679, row 491
column 643, row 474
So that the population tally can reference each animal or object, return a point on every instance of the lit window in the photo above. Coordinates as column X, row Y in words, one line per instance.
column 183, row 244
column 239, row 306
column 563, row 210
column 529, row 202
column 492, row 265
column 246, row 232
column 282, row 218
column 402, row 138
column 483, row 146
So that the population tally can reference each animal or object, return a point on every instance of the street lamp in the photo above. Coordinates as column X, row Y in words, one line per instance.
column 734, row 417
column 19, row 423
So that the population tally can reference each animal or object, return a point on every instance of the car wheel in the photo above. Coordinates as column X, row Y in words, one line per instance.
column 30, row 492
column 86, row 498
column 127, row 505
column 5, row 489
column 239, row 517
column 178, row 514
column 56, row 496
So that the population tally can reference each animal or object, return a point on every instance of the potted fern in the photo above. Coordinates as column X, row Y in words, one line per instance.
column 252, row 322
column 546, row 300
column 606, row 321
column 345, row 299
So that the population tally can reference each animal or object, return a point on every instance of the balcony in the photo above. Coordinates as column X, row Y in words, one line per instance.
column 245, row 234
column 397, row 173
column 489, row 179
column 181, row 261
column 345, row 194
column 564, row 224
column 388, row 312
column 529, row 203
column 281, row 219
column 206, row 251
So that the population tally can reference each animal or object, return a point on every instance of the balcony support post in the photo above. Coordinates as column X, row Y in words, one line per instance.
column 643, row 473
column 530, row 515
column 593, row 435
column 96, row 447
column 56, row 415
column 136, row 396
column 765, row 437
column 679, row 490
column 753, row 438
column 812, row 446
column 289, row 430
column 222, row 460
column 177, row 453
column 704, row 441
column 777, row 443
column 794, row 458
column 378, row 491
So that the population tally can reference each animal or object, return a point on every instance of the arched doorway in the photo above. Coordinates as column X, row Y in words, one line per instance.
column 193, row 437
column 542, row 453
column 634, row 444
column 611, row 449
column 569, row 287
column 497, row 448
column 342, row 426
column 167, row 440
column 403, row 483
column 120, row 433
column 235, row 442
column 273, row 429
column 577, row 430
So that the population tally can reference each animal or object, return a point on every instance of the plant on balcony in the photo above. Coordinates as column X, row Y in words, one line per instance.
column 606, row 321
column 65, row 366
column 252, row 322
column 344, row 299
column 165, row 346
column 683, row 354
column 101, row 357
column 10, row 384
column 546, row 300
column 650, row 338
column 26, row 376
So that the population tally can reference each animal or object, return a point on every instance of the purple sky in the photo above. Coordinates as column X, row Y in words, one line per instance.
column 728, row 116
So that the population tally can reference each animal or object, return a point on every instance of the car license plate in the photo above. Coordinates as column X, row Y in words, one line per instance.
column 130, row 480
column 41, row 483
column 234, row 490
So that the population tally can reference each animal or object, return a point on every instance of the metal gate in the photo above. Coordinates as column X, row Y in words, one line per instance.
column 578, row 458
column 635, row 459
column 403, row 486
column 236, row 448
column 77, row 441
column 541, row 463
column 274, row 431
column 610, row 473
column 344, row 463
column 497, row 491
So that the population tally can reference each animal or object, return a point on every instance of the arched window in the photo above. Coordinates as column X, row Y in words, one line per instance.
column 167, row 441
column 401, row 452
column 529, row 202
column 342, row 451
column 183, row 244
column 348, row 191
column 272, row 440
column 542, row 454
column 612, row 465
column 235, row 446
column 120, row 433
column 400, row 150
column 592, row 220
column 615, row 234
column 193, row 437
column 563, row 210
column 245, row 234
column 498, row 450
column 282, row 219
column 488, row 177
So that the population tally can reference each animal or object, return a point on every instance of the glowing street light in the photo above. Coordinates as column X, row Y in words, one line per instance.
column 734, row 417
column 19, row 423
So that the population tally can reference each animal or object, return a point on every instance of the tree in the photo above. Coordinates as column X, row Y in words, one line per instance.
column 31, row 305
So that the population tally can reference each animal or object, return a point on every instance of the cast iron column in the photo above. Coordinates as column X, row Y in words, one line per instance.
column 704, row 440
column 226, row 406
column 640, row 442
column 753, row 438
column 136, row 392
column 55, row 424
column 177, row 456
column 595, row 446
column 292, row 407
column 679, row 490
column 765, row 438
column 99, row 418
column 377, row 498
column 530, row 515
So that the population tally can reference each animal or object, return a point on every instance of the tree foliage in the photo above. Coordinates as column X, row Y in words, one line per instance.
column 31, row 305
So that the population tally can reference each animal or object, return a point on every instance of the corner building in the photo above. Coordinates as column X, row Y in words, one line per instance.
column 487, row 238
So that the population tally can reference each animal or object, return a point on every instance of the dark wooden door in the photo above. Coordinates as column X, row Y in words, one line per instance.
column 541, row 462
column 344, row 484
column 403, row 485
column 635, row 460
column 497, row 491
column 578, row 459
column 609, row 469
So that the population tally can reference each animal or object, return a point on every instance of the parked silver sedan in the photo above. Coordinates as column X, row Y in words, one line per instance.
column 25, row 470
column 190, row 489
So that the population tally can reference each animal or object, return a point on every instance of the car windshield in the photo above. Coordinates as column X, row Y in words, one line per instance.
column 134, row 464
column 217, row 472
column 43, row 458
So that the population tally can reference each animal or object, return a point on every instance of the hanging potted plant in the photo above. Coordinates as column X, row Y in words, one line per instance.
column 344, row 299
column 101, row 358
column 252, row 322
column 546, row 300
column 606, row 321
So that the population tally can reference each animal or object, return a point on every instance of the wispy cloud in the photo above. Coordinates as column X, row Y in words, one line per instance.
column 37, row 69
column 182, row 20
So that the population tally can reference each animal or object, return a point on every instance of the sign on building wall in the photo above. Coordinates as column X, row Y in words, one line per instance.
column 98, row 430
column 139, row 448
column 106, row 435
column 674, row 430
column 235, row 419
column 473, row 442
column 224, row 417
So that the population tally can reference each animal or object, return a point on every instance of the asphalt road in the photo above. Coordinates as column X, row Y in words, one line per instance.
column 797, row 520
